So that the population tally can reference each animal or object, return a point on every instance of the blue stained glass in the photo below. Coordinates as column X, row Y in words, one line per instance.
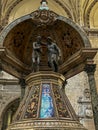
column 47, row 109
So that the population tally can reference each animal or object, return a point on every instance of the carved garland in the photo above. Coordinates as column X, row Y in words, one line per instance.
column 43, row 17
column 61, row 107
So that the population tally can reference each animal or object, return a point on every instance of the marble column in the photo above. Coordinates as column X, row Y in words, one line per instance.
column 90, row 69
column 22, row 85
column 9, row 117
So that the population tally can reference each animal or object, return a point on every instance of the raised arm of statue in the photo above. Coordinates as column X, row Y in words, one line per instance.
column 36, row 45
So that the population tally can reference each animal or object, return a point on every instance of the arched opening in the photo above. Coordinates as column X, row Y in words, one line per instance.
column 17, row 39
column 9, row 112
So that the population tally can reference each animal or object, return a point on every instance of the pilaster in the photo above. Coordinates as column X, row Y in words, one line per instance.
column 90, row 69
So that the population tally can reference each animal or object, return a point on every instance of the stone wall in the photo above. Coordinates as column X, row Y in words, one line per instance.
column 9, row 91
column 77, row 90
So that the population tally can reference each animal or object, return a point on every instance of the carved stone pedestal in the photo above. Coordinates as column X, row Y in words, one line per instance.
column 45, row 105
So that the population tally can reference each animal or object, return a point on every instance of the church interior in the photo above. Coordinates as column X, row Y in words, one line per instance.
column 50, row 92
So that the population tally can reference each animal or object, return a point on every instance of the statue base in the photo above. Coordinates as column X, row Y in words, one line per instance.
column 45, row 105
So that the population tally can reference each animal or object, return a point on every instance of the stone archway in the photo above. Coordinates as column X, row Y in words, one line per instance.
column 8, row 112
column 16, row 39
column 30, row 16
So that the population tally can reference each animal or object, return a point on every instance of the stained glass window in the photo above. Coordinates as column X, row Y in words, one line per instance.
column 47, row 109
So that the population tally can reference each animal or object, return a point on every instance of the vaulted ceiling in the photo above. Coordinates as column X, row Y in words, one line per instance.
column 84, row 12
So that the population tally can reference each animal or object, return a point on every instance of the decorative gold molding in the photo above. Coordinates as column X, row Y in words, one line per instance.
column 47, row 124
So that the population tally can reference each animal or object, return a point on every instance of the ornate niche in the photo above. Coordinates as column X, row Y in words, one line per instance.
column 20, row 38
column 17, row 51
